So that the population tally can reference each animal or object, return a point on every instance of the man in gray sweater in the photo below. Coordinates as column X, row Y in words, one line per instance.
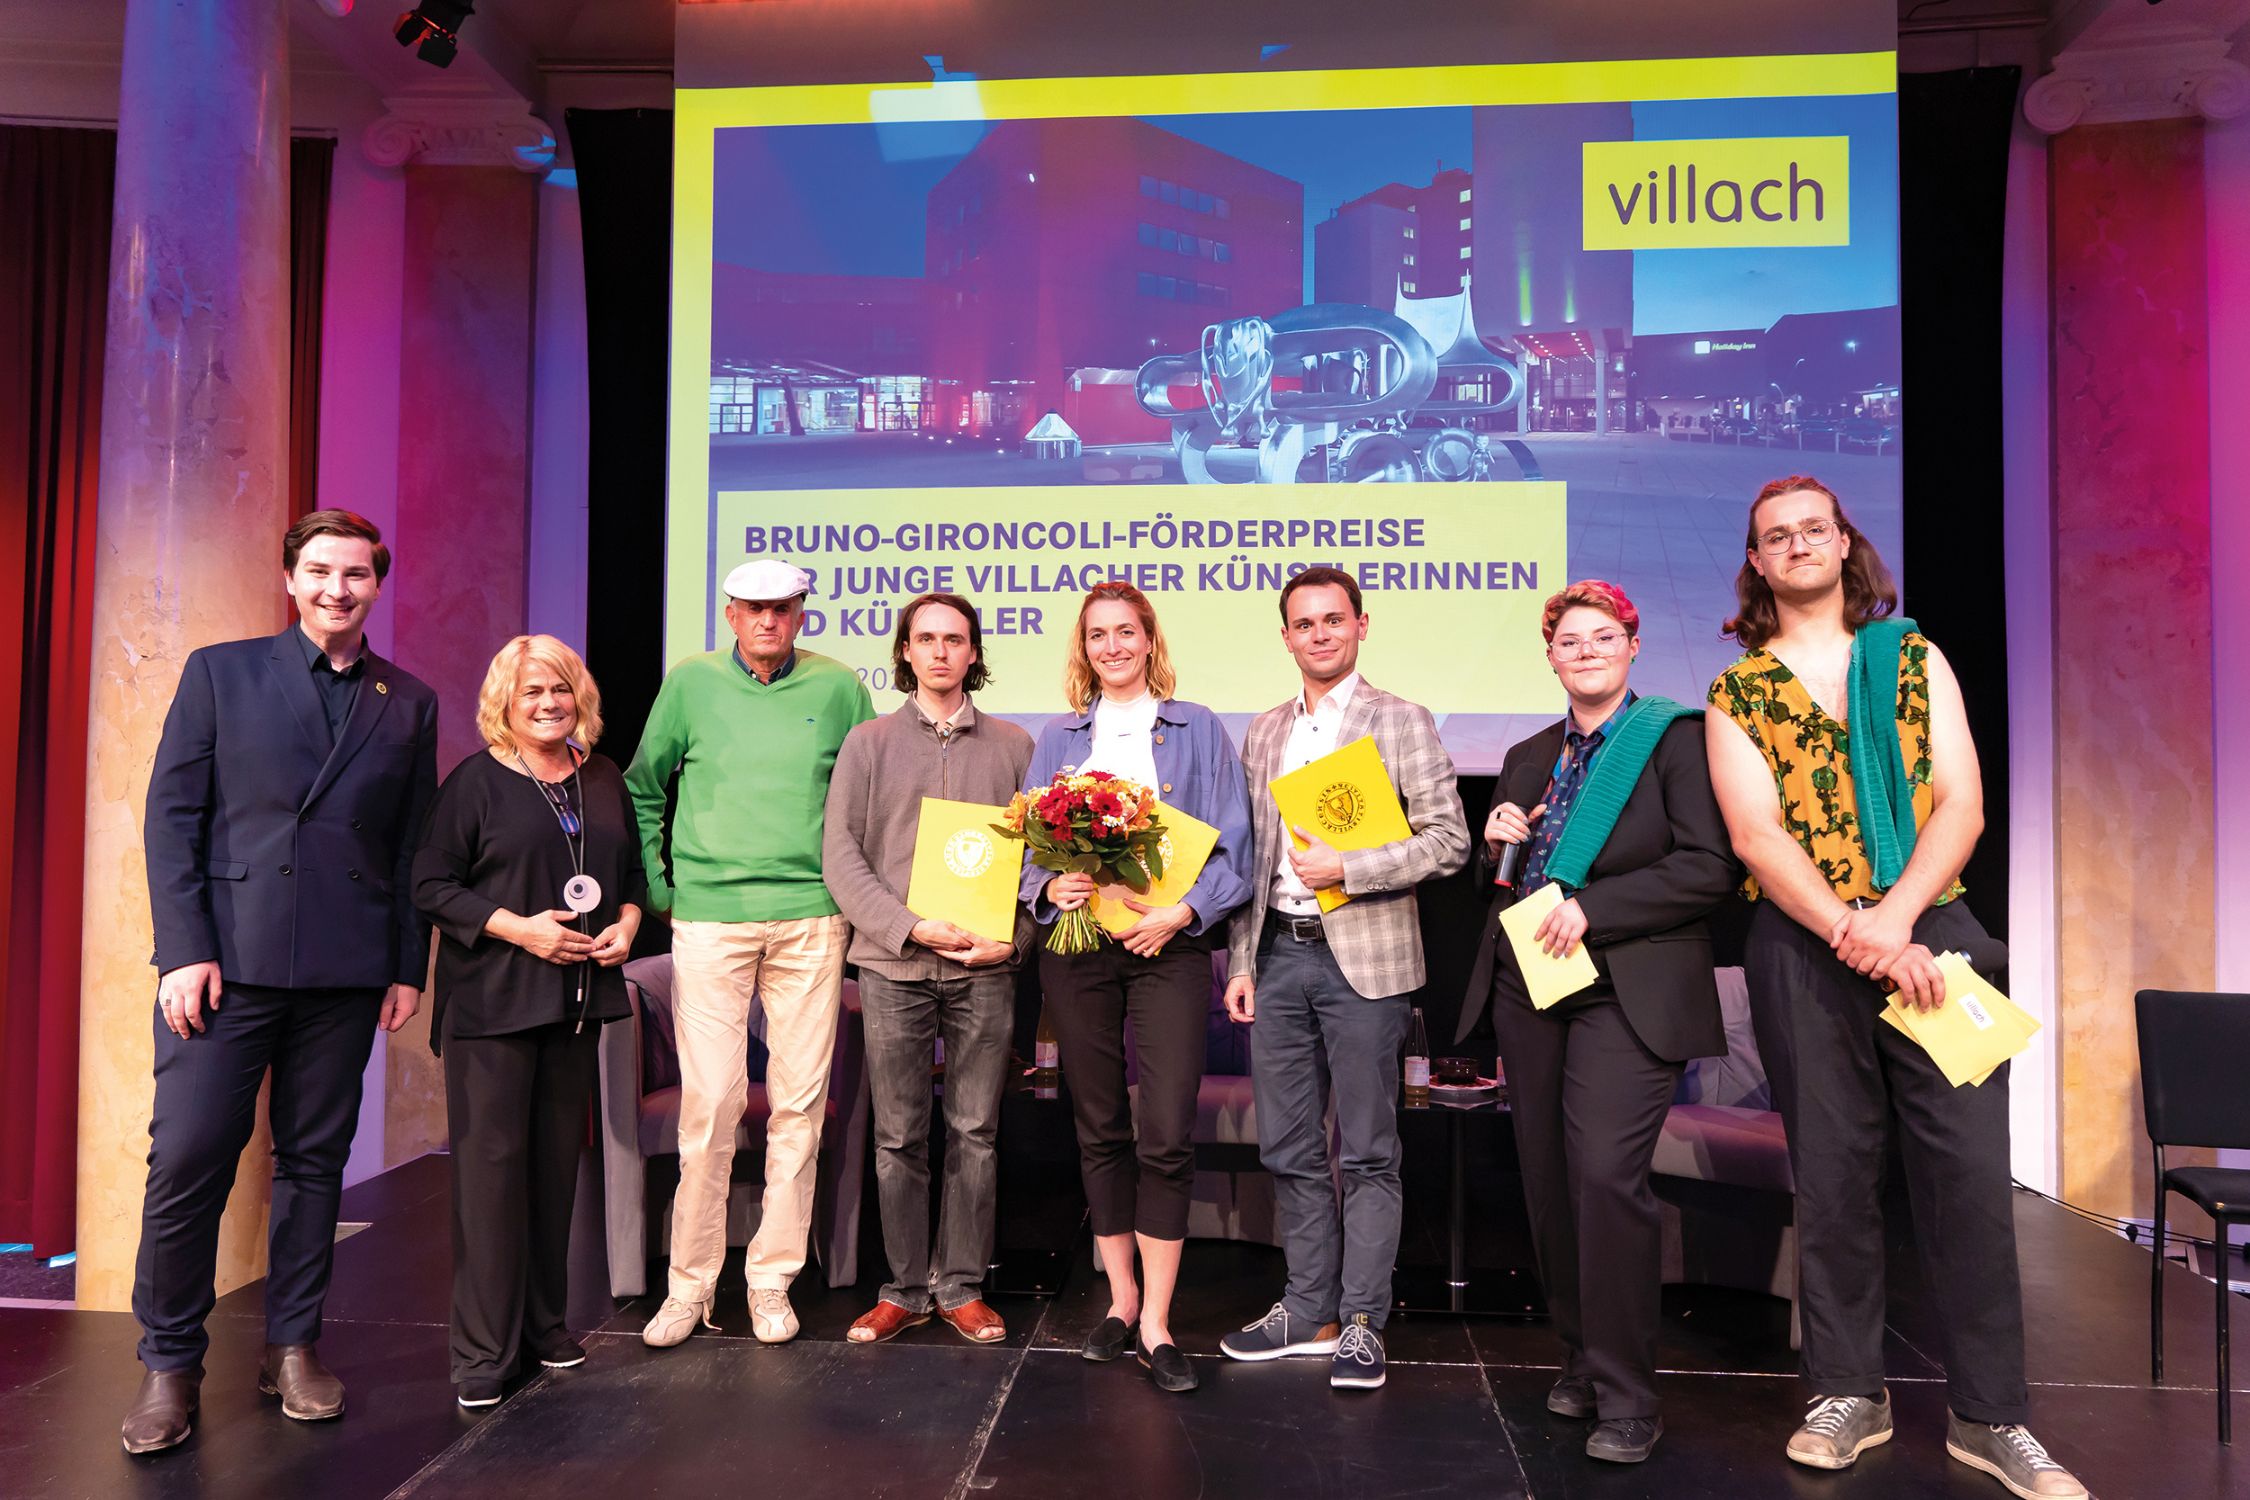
column 921, row 979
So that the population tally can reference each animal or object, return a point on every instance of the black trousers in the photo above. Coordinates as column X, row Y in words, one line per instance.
column 316, row 1042
column 1588, row 1101
column 1845, row 1081
column 516, row 1111
column 1133, row 1185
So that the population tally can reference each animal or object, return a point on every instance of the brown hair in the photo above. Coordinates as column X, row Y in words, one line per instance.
column 1869, row 592
column 506, row 671
column 902, row 674
column 1590, row 593
column 1318, row 576
column 1079, row 682
column 334, row 523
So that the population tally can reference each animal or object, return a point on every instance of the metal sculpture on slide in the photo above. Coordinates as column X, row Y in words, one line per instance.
column 1340, row 393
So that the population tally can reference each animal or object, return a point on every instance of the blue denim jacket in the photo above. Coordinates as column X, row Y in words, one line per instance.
column 1197, row 771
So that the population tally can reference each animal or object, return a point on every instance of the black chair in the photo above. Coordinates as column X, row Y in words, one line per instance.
column 2192, row 1046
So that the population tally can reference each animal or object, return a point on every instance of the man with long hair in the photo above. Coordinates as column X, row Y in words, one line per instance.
column 1856, row 721
column 922, row 980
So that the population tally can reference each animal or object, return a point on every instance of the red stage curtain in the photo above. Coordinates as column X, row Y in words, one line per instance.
column 55, row 195
column 312, row 160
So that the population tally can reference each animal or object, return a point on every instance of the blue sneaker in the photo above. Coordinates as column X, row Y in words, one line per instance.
column 1277, row 1336
column 1358, row 1365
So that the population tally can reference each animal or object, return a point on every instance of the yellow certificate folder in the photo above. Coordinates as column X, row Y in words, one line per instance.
column 1974, row 1032
column 1548, row 979
column 964, row 873
column 1345, row 800
column 1186, row 844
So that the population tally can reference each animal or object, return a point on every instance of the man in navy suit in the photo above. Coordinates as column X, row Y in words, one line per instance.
column 283, row 810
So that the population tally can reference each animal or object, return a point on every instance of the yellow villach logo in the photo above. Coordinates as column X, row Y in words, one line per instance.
column 1717, row 195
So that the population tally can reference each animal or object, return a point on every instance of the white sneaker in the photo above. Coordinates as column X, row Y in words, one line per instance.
column 772, row 1319
column 674, row 1321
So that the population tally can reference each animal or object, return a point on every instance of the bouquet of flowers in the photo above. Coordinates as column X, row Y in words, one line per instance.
column 1089, row 824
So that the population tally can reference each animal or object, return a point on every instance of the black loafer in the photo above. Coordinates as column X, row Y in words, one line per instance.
column 1105, row 1343
column 1168, row 1367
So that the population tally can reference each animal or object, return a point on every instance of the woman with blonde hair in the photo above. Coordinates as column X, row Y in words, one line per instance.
column 531, row 870
column 1125, row 721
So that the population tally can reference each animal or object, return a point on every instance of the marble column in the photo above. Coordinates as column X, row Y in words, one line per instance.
column 193, row 502
column 2133, row 633
column 464, row 461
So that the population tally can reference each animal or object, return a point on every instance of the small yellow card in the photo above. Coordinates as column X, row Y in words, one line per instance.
column 964, row 873
column 1344, row 799
column 1973, row 1033
column 1186, row 844
column 1546, row 978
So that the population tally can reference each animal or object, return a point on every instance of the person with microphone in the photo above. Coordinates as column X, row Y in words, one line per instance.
column 1614, row 804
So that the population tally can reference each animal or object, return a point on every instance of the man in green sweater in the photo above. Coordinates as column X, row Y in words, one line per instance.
column 751, row 733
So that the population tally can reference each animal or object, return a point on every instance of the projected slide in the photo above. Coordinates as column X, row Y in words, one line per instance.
column 1466, row 332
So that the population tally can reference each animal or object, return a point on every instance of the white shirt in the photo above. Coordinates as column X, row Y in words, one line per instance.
column 1311, row 735
column 1124, row 740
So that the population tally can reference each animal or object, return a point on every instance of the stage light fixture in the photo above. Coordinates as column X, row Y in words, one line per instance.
column 433, row 29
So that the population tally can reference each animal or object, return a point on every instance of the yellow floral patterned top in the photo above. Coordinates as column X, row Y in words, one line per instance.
column 1810, row 757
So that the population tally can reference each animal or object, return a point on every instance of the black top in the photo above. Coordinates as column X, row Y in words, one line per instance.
column 1648, row 898
column 337, row 689
column 494, row 843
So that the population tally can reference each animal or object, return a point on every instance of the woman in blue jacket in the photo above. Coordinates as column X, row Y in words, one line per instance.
column 1125, row 722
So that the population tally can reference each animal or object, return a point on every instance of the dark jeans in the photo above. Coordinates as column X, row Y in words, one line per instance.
column 1588, row 1102
column 516, row 1109
column 1845, row 1081
column 316, row 1042
column 1134, row 1184
column 1318, row 1039
column 975, row 1012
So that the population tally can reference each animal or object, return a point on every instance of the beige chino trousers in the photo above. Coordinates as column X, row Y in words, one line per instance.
column 795, row 970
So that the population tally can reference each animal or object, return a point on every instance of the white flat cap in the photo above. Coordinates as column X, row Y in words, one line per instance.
column 767, row 579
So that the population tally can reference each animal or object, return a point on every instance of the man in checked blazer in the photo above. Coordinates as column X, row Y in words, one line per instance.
column 284, row 806
column 1331, row 994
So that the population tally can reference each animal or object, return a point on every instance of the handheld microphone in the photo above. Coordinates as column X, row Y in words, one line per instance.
column 1511, row 864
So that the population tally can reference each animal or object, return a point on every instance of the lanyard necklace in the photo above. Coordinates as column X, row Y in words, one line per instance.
column 574, row 839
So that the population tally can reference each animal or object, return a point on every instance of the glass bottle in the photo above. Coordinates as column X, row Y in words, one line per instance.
column 1417, row 1064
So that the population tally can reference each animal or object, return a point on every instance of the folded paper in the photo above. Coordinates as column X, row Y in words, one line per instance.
column 1547, row 978
column 1345, row 800
column 1186, row 844
column 964, row 873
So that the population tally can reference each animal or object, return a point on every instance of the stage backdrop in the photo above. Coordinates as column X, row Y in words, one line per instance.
column 1513, row 302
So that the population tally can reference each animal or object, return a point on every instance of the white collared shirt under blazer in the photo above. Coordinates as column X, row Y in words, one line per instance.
column 1376, row 936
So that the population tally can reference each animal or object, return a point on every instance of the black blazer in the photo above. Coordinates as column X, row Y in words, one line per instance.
column 285, row 860
column 1647, row 899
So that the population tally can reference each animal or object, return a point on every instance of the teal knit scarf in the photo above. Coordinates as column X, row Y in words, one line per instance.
column 1593, row 812
column 1879, row 787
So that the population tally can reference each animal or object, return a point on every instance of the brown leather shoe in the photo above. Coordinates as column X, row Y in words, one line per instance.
column 975, row 1321
column 294, row 1373
column 163, row 1412
column 885, row 1320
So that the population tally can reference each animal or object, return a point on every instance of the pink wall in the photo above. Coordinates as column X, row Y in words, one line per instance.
column 2132, row 536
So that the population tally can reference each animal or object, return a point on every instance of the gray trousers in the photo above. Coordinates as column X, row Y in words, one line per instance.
column 903, row 1019
column 1317, row 1038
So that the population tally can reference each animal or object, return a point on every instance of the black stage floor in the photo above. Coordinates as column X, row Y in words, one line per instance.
column 930, row 1416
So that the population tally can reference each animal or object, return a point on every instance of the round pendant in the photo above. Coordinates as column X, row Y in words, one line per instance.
column 582, row 893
